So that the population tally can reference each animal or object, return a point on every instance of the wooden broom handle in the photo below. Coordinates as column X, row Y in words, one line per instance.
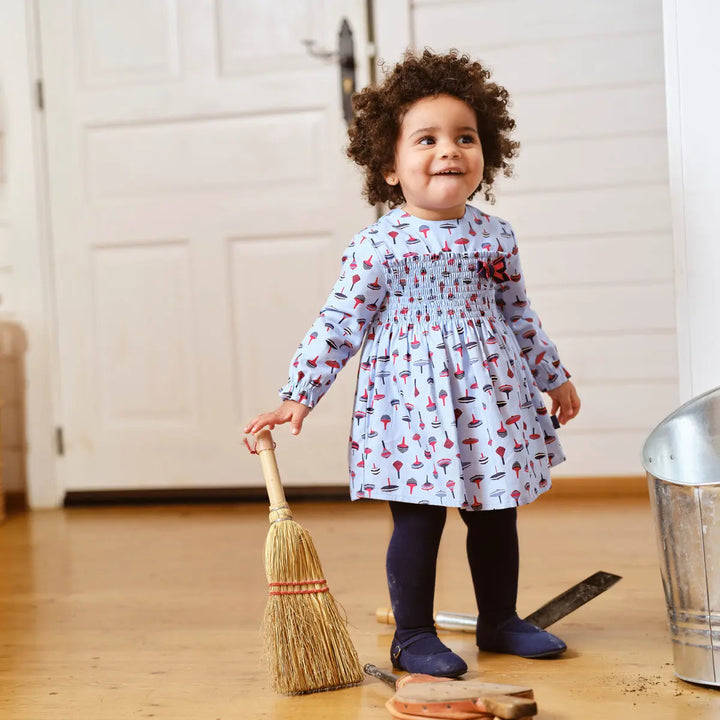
column 265, row 448
column 385, row 615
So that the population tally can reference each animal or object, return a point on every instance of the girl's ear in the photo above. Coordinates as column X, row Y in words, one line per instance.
column 391, row 178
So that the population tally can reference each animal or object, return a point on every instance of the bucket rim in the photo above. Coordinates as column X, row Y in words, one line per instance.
column 667, row 419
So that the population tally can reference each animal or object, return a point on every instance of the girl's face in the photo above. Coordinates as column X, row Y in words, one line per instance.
column 438, row 158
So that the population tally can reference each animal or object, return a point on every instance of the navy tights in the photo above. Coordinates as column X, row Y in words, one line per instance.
column 492, row 550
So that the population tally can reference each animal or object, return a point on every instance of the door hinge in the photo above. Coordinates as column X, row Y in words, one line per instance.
column 39, row 95
column 59, row 441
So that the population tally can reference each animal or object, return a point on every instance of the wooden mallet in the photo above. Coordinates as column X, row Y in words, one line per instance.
column 426, row 696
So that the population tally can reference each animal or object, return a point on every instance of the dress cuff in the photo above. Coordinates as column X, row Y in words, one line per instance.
column 548, row 376
column 305, row 393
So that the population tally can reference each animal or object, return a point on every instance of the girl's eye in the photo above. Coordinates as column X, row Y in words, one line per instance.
column 466, row 139
column 427, row 140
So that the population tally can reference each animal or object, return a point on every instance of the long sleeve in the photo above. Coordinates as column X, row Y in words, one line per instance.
column 338, row 332
column 512, row 299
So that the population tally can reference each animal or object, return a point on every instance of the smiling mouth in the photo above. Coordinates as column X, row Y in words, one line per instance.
column 449, row 172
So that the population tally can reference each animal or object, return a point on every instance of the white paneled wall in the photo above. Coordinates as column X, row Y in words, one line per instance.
column 26, row 411
column 693, row 108
column 589, row 200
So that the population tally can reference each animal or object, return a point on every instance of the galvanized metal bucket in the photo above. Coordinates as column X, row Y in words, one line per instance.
column 682, row 459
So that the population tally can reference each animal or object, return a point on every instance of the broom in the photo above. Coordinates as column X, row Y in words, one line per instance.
column 307, row 645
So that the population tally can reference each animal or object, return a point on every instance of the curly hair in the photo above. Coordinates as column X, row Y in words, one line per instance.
column 379, row 111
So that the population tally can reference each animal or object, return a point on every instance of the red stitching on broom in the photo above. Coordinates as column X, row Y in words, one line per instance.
column 299, row 592
column 253, row 449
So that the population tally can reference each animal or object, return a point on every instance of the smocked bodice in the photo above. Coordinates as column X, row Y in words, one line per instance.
column 434, row 287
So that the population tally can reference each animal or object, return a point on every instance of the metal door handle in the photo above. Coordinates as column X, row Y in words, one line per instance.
column 346, row 48
column 345, row 57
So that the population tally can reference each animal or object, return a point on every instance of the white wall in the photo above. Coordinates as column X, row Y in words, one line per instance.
column 693, row 109
column 589, row 200
column 24, row 259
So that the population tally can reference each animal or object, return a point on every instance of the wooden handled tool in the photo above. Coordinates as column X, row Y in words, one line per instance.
column 549, row 613
column 265, row 450
column 430, row 697
column 307, row 645
column 398, row 681
column 458, row 699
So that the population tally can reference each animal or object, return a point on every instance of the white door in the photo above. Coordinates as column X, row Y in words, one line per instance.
column 200, row 202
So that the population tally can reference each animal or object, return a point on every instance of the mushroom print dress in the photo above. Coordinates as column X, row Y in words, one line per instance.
column 447, row 408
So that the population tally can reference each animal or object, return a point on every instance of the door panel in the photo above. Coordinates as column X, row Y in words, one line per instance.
column 200, row 203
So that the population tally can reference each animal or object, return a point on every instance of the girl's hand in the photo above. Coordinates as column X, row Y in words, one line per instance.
column 290, row 411
column 565, row 398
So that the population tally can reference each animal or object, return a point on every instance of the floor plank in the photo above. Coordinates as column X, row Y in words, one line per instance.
column 153, row 612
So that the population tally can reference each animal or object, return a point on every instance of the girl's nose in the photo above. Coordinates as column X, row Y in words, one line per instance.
column 449, row 149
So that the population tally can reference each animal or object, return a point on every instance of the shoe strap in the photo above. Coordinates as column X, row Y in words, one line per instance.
column 407, row 643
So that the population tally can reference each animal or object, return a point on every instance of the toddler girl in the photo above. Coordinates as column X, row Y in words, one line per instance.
column 448, row 410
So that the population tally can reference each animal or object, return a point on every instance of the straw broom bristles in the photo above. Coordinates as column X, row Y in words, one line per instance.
column 307, row 645
column 306, row 642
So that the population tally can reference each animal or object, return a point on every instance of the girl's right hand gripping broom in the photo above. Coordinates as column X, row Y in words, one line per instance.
column 307, row 645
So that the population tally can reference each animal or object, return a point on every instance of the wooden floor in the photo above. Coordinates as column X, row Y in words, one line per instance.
column 153, row 612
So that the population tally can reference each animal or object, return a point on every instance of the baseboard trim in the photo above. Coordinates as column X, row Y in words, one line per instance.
column 599, row 488
column 11, row 502
column 258, row 494
column 15, row 501
column 566, row 488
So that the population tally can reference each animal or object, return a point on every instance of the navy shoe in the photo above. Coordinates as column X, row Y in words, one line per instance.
column 517, row 637
column 436, row 659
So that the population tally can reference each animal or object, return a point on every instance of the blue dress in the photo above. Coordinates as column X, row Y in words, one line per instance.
column 447, row 408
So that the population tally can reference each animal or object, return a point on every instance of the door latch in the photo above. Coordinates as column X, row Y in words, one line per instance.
column 345, row 56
